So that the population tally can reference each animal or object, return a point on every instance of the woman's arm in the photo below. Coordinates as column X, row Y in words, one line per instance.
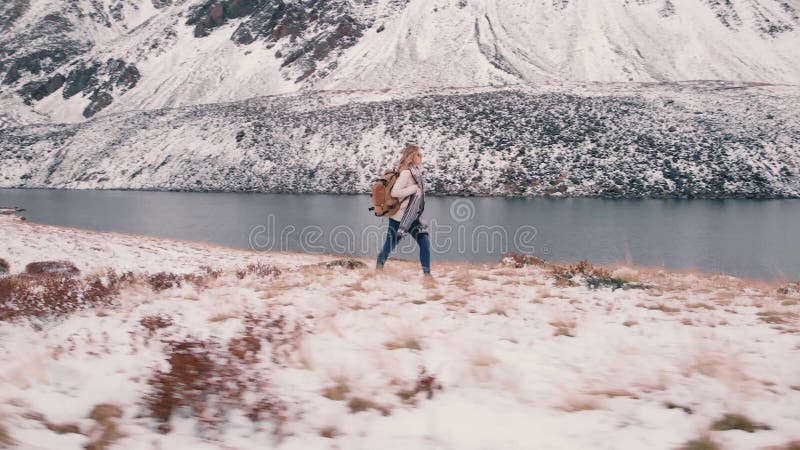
column 404, row 186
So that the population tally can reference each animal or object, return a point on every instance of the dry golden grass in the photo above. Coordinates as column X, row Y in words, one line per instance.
column 738, row 422
column 462, row 277
column 409, row 343
column 5, row 436
column 223, row 316
column 793, row 445
column 577, row 403
column 777, row 317
column 434, row 297
column 614, row 393
column 357, row 286
column 545, row 293
column 700, row 305
column 337, row 392
column 508, row 273
column 329, row 432
column 65, row 428
column 105, row 432
column 358, row 404
column 723, row 366
column 563, row 328
column 701, row 443
column 660, row 307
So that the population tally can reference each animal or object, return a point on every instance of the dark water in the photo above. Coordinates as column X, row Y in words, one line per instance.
column 749, row 238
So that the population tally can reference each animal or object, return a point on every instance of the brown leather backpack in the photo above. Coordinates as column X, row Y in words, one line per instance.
column 382, row 201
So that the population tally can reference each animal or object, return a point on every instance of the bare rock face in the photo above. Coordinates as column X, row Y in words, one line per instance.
column 94, row 80
column 37, row 90
column 212, row 14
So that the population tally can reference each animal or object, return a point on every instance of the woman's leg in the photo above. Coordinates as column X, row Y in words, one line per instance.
column 424, row 248
column 388, row 246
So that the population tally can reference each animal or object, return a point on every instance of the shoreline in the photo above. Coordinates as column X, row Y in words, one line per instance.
column 369, row 260
column 554, row 196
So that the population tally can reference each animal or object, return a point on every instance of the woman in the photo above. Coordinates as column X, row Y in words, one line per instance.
column 410, row 188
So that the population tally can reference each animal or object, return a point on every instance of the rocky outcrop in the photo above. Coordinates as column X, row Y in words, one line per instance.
column 94, row 80
column 214, row 13
column 37, row 90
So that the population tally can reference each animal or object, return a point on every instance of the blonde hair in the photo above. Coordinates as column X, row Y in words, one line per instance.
column 408, row 156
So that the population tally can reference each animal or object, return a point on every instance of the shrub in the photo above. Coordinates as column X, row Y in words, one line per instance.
column 247, row 346
column 518, row 260
column 425, row 383
column 64, row 268
column 595, row 277
column 164, row 280
column 259, row 270
column 789, row 288
column 346, row 263
column 53, row 295
column 283, row 337
column 210, row 383
column 155, row 322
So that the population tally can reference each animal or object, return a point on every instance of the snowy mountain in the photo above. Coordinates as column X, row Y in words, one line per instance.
column 67, row 60
column 709, row 140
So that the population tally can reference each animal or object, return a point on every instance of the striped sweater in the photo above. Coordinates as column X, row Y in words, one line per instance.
column 410, row 187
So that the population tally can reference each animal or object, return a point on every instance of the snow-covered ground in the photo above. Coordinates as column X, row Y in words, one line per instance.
column 485, row 357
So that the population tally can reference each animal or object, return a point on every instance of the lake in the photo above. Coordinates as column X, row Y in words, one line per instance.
column 747, row 238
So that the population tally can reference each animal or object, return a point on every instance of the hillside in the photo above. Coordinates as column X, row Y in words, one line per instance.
column 710, row 140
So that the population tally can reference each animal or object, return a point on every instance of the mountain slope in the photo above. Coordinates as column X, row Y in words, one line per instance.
column 712, row 140
column 64, row 61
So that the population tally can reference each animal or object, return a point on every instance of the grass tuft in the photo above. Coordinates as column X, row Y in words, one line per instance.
column 349, row 263
column 105, row 432
column 519, row 260
column 258, row 270
column 701, row 443
column 594, row 277
column 776, row 317
column 155, row 322
column 358, row 404
column 409, row 343
column 162, row 281
column 738, row 422
column 564, row 328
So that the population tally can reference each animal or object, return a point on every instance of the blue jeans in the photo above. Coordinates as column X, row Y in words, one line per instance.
column 392, row 239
